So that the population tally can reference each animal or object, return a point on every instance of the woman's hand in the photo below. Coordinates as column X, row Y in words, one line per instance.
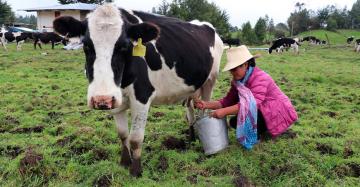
column 200, row 104
column 219, row 113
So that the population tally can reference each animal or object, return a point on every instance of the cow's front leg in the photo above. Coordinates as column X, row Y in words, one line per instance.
column 139, row 113
column 123, row 132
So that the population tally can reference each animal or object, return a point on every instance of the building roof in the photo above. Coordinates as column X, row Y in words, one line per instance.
column 75, row 6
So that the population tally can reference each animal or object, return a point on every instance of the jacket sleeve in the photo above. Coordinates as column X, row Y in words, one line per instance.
column 231, row 97
column 259, row 87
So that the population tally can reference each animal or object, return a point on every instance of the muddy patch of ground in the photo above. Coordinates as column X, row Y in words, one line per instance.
column 327, row 134
column 103, row 181
column 289, row 134
column 163, row 164
column 325, row 149
column 348, row 152
column 66, row 140
column 192, row 179
column 36, row 129
column 174, row 143
column 30, row 164
column 240, row 180
column 158, row 114
column 11, row 151
column 9, row 120
column 329, row 113
column 348, row 170
column 100, row 154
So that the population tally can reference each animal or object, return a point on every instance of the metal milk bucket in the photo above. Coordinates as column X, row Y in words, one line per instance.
column 212, row 133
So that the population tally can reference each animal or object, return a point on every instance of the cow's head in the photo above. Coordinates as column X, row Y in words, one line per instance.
column 107, row 39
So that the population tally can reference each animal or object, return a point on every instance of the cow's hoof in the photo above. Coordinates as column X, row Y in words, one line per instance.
column 135, row 168
column 125, row 157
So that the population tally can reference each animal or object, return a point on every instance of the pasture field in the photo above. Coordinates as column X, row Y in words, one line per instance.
column 48, row 136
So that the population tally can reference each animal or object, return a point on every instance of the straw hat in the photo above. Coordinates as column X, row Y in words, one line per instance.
column 237, row 56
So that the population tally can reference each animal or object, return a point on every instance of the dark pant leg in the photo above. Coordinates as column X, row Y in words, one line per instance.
column 261, row 125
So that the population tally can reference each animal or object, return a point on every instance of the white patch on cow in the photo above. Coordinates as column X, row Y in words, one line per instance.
column 295, row 46
column 171, row 89
column 16, row 34
column 197, row 22
column 105, row 26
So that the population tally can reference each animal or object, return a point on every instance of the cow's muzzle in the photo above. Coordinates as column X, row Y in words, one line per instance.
column 103, row 102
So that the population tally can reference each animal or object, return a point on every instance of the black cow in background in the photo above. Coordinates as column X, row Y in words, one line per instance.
column 350, row 39
column 19, row 37
column 285, row 42
column 47, row 37
column 231, row 41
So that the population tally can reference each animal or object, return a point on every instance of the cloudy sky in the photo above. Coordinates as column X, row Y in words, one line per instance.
column 239, row 11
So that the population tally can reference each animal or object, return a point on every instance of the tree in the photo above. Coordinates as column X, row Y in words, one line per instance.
column 196, row 9
column 84, row 1
column 248, row 34
column 331, row 24
column 299, row 21
column 260, row 30
column 7, row 16
column 355, row 15
column 31, row 20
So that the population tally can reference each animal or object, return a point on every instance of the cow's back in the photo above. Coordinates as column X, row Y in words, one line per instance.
column 188, row 52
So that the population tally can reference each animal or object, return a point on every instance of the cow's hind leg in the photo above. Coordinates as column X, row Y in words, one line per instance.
column 123, row 132
column 3, row 44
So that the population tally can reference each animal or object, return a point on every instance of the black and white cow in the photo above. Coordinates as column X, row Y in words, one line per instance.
column 284, row 43
column 350, row 39
column 357, row 45
column 231, row 41
column 182, row 60
column 308, row 39
column 19, row 37
column 48, row 37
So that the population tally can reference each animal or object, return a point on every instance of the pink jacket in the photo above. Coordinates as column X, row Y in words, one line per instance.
column 275, row 106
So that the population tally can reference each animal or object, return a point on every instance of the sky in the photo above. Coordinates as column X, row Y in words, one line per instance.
column 239, row 11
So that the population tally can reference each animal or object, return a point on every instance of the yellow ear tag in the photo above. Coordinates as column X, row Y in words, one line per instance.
column 139, row 49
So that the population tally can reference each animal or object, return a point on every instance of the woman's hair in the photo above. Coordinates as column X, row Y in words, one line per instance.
column 251, row 62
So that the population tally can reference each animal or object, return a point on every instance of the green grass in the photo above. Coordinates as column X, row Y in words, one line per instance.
column 76, row 146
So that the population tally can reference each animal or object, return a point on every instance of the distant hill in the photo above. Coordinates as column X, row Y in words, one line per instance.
column 338, row 37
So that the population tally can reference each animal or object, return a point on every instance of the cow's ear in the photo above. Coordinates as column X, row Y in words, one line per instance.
column 69, row 26
column 146, row 31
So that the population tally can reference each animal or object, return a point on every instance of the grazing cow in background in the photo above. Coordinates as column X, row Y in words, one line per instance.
column 309, row 39
column 357, row 45
column 46, row 37
column 323, row 42
column 231, row 41
column 19, row 37
column 285, row 42
column 350, row 39
column 182, row 60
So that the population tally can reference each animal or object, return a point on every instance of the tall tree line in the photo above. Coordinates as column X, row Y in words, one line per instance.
column 196, row 9
column 330, row 18
column 7, row 16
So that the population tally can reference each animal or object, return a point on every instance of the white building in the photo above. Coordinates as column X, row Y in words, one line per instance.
column 46, row 15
